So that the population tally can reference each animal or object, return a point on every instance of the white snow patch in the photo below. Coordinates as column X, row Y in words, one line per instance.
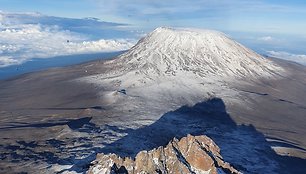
column 198, row 171
column 155, row 160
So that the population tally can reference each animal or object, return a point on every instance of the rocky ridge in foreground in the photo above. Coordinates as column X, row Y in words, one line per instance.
column 191, row 154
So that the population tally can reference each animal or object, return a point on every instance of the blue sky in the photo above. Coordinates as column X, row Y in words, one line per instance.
column 280, row 16
column 267, row 26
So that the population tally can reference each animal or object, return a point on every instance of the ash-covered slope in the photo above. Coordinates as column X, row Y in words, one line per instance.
column 129, row 102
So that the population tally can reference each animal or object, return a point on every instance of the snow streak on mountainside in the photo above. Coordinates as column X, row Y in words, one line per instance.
column 183, row 64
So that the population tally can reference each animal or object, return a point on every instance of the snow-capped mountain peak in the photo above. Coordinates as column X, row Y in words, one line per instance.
column 167, row 51
column 182, row 65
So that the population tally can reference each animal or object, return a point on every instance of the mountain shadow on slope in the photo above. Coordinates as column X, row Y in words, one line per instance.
column 241, row 145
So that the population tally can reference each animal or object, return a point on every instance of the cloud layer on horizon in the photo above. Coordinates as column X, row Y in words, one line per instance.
column 31, row 35
column 24, row 36
column 299, row 58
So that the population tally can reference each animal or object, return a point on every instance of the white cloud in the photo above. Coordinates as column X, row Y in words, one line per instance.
column 266, row 38
column 20, row 42
column 7, row 61
column 299, row 58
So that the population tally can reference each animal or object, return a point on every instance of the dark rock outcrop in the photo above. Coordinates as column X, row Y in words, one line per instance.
column 191, row 154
